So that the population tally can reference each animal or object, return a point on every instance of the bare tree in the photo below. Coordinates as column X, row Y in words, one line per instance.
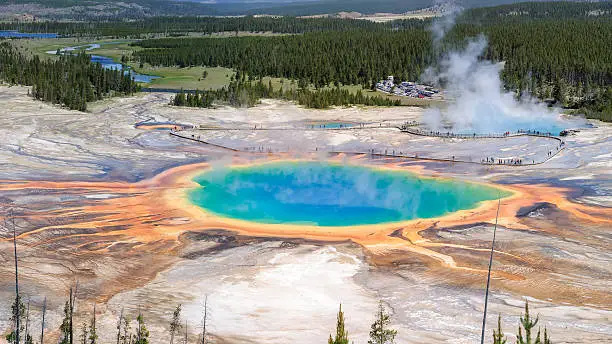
column 185, row 340
column 204, row 319
column 486, row 302
column 11, row 220
column 27, row 323
column 127, row 335
column 84, row 333
column 42, row 327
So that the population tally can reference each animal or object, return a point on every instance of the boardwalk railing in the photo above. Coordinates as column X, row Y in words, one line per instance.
column 420, row 132
column 386, row 153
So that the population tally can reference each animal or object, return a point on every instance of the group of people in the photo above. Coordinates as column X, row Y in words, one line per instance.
column 534, row 132
column 410, row 128
column 491, row 160
column 436, row 133
column 392, row 152
column 340, row 126
column 512, row 161
column 259, row 149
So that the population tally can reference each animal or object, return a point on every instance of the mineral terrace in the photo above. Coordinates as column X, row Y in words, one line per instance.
column 98, row 197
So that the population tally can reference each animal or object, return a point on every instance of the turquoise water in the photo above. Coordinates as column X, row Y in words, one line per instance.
column 526, row 125
column 335, row 125
column 331, row 195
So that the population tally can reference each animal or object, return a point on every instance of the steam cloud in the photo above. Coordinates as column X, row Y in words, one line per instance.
column 479, row 103
column 442, row 25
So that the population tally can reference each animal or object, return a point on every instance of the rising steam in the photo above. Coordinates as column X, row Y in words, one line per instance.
column 479, row 103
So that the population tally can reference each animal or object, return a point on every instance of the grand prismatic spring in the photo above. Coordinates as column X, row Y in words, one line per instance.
column 331, row 194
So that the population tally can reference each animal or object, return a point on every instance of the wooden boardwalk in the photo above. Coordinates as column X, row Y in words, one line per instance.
column 496, row 162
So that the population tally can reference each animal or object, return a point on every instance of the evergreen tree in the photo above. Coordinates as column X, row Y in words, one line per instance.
column 498, row 336
column 11, row 336
column 142, row 334
column 65, row 327
column 93, row 335
column 341, row 333
column 558, row 92
column 527, row 323
column 380, row 333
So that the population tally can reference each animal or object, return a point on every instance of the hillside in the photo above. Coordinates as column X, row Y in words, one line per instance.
column 134, row 9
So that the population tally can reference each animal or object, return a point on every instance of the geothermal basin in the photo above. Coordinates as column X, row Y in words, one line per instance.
column 327, row 194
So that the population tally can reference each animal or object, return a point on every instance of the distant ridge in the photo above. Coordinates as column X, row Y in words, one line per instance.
column 135, row 9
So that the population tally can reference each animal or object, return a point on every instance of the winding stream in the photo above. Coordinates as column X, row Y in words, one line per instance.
column 107, row 62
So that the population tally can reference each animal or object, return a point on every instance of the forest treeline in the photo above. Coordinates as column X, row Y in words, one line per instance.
column 348, row 57
column 178, row 25
column 96, row 10
column 568, row 60
column 247, row 93
column 70, row 80
column 530, row 11
column 90, row 9
column 204, row 25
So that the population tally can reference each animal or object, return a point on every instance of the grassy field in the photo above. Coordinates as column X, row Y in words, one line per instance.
column 188, row 78
column 41, row 46
column 114, row 50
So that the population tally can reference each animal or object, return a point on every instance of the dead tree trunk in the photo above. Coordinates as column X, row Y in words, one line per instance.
column 70, row 305
column 42, row 327
column 17, row 300
column 27, row 324
column 185, row 331
column 204, row 341
column 92, row 328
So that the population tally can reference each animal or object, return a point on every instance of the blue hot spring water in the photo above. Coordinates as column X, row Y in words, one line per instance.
column 331, row 195
column 329, row 125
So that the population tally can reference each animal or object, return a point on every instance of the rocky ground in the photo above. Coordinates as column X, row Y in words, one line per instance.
column 78, row 184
